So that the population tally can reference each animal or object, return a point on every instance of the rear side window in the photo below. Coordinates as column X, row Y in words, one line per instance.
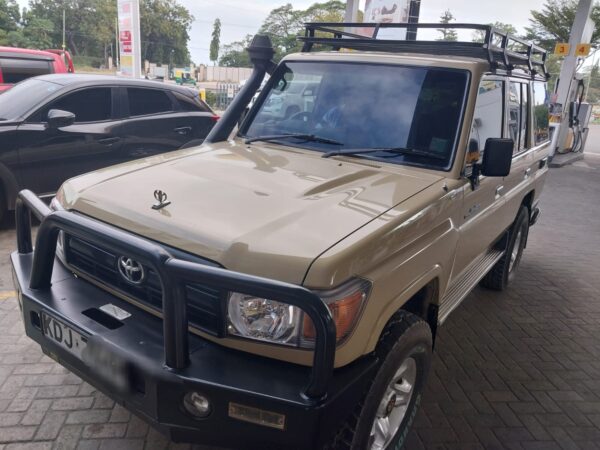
column 16, row 70
column 518, row 115
column 148, row 101
column 88, row 105
column 488, row 117
column 188, row 103
column 540, row 112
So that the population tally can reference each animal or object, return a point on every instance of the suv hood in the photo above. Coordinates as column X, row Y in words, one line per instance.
column 256, row 209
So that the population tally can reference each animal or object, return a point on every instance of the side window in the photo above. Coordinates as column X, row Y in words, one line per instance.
column 143, row 102
column 16, row 70
column 540, row 113
column 188, row 103
column 487, row 119
column 88, row 105
column 524, row 133
column 518, row 115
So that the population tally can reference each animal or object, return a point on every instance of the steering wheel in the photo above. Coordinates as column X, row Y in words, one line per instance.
column 302, row 115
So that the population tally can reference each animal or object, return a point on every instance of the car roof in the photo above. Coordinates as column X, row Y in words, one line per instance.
column 441, row 61
column 26, row 53
column 78, row 80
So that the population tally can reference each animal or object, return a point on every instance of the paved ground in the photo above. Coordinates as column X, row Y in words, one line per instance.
column 519, row 370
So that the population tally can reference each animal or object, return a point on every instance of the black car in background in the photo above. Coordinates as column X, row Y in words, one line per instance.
column 54, row 127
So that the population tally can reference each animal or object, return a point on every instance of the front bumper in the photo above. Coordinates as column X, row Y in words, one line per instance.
column 148, row 350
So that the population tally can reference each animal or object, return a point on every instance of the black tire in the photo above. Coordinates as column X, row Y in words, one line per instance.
column 406, row 336
column 503, row 271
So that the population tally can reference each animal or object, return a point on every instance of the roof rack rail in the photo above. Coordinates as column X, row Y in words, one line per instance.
column 503, row 51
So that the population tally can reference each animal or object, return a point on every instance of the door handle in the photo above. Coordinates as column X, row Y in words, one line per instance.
column 109, row 141
column 543, row 162
column 499, row 190
column 182, row 130
column 527, row 173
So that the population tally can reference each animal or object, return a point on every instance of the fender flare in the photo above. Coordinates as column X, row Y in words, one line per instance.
column 400, row 300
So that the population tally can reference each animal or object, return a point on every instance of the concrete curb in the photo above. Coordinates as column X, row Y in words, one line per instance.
column 561, row 160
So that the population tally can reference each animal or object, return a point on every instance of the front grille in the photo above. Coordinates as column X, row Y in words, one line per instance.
column 204, row 303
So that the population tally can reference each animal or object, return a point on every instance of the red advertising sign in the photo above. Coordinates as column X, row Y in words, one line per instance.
column 125, row 36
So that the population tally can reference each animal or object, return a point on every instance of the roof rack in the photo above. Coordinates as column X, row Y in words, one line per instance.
column 501, row 50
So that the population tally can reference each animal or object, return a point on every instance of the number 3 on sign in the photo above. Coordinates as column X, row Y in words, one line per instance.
column 582, row 49
column 562, row 49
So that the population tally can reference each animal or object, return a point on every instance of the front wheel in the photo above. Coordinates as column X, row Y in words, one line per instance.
column 382, row 419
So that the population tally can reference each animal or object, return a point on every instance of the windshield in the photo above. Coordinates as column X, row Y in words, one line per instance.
column 24, row 96
column 365, row 106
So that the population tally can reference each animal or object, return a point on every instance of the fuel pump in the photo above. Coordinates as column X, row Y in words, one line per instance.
column 569, row 115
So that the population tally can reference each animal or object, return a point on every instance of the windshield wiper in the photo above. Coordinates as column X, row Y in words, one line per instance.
column 304, row 137
column 399, row 150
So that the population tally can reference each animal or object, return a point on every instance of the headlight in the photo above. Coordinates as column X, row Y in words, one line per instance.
column 271, row 321
column 263, row 319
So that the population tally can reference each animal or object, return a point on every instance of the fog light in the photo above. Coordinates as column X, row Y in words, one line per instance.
column 196, row 404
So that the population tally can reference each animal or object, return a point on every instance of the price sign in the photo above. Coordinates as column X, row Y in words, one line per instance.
column 562, row 49
column 582, row 49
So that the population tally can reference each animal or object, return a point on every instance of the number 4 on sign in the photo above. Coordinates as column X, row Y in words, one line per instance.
column 562, row 49
column 582, row 49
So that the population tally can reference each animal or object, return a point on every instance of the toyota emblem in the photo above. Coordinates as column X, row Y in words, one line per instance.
column 131, row 270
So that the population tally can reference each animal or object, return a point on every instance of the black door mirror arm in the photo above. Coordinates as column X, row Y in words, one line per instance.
column 474, row 175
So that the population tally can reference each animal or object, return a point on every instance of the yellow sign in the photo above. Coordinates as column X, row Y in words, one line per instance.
column 582, row 49
column 562, row 49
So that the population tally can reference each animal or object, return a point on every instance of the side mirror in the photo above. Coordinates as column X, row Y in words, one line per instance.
column 58, row 118
column 497, row 157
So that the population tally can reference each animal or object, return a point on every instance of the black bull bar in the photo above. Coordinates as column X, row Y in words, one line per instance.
column 173, row 274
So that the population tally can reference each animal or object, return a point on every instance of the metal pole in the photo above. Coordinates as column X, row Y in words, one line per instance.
column 117, row 48
column 64, row 44
column 137, row 47
column 569, row 69
column 351, row 11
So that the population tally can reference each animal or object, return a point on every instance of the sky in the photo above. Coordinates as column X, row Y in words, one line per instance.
column 242, row 17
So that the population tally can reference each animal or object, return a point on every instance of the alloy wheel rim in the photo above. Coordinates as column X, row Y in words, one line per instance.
column 394, row 405
column 515, row 251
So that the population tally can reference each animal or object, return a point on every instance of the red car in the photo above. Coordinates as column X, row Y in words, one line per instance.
column 18, row 64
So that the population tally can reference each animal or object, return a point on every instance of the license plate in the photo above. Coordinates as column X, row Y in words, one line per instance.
column 63, row 335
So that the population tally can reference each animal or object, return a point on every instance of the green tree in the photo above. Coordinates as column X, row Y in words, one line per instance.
column 478, row 36
column 9, row 21
column 448, row 34
column 215, row 42
column 90, row 27
column 553, row 23
column 283, row 25
column 331, row 11
column 10, row 16
column 235, row 54
column 165, row 26
column 38, row 32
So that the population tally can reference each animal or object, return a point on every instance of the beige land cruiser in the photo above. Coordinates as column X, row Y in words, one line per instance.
column 281, row 285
